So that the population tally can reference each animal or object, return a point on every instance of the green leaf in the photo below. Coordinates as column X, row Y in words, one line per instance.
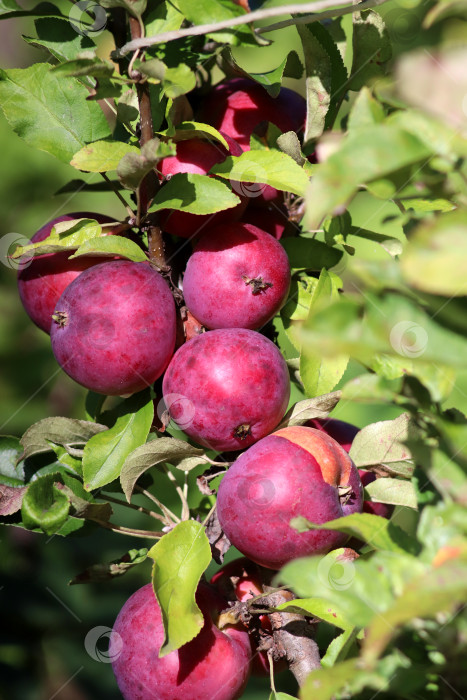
column 391, row 245
column 180, row 559
column 133, row 7
column 439, row 590
column 326, row 77
column 361, row 589
column 105, row 572
column 382, row 443
column 7, row 6
column 443, row 9
column 265, row 167
column 371, row 48
column 163, row 18
column 67, row 432
column 365, row 112
column 376, row 531
column 193, row 193
column 325, row 683
column 191, row 130
column 289, row 143
column 133, row 167
column 175, row 81
column 96, row 67
column 49, row 112
column 101, row 156
column 394, row 491
column 271, row 80
column 11, row 468
column 281, row 696
column 112, row 245
column 152, row 453
column 65, row 234
column 318, row 374
column 310, row 254
column 105, row 454
column 320, row 608
column 59, row 37
column 339, row 647
column 209, row 11
column 435, row 257
column 303, row 411
column 362, row 156
column 44, row 506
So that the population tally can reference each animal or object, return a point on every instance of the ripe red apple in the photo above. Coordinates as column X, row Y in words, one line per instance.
column 41, row 283
column 215, row 665
column 236, row 107
column 344, row 433
column 237, row 277
column 273, row 219
column 227, row 388
column 114, row 327
column 296, row 471
column 198, row 156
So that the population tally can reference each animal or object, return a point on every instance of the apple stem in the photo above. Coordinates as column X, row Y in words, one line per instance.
column 150, row 183
column 127, row 530
column 181, row 493
column 118, row 502
column 167, row 512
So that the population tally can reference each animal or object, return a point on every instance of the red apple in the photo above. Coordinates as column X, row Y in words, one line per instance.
column 227, row 388
column 114, row 327
column 296, row 471
column 42, row 281
column 198, row 156
column 236, row 107
column 237, row 277
column 214, row 665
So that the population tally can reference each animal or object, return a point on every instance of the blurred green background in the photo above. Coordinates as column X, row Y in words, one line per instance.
column 44, row 622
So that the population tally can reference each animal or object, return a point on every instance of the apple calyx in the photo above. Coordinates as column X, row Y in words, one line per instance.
column 60, row 318
column 257, row 284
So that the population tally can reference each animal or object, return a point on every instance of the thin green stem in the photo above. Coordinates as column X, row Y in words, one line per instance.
column 133, row 506
column 167, row 512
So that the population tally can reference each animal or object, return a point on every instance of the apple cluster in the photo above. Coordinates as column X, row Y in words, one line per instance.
column 113, row 329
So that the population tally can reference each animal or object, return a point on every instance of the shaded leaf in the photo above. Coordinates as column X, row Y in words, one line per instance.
column 303, row 411
column 11, row 468
column 325, row 78
column 65, row 234
column 155, row 452
column 105, row 572
column 11, row 498
column 134, row 166
column 310, row 254
column 67, row 432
